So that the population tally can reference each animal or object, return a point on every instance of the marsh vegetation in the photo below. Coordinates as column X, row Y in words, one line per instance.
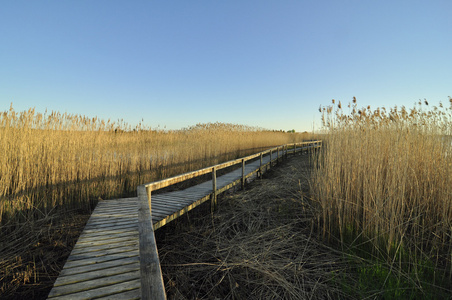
column 384, row 186
column 54, row 167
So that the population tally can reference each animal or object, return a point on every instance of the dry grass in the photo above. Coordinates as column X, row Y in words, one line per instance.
column 384, row 184
column 259, row 245
column 33, row 255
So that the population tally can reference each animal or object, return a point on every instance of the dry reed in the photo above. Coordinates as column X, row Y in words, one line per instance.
column 384, row 180
column 55, row 160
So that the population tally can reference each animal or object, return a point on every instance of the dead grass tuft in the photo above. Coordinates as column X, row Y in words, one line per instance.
column 32, row 256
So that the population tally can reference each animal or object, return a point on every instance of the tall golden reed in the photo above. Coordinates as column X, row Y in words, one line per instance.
column 61, row 160
column 385, row 177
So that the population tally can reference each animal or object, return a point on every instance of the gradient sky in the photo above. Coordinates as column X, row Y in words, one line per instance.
column 261, row 63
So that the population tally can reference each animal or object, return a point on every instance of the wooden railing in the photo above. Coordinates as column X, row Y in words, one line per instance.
column 152, row 286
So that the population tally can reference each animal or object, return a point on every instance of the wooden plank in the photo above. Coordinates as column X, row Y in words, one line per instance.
column 176, row 198
column 104, row 213
column 107, row 292
column 168, row 206
column 119, row 200
column 112, row 239
column 152, row 286
column 115, row 212
column 117, row 250
column 109, row 208
column 97, row 287
column 107, row 251
column 100, row 237
column 111, row 230
column 96, row 274
column 106, row 217
column 174, row 202
column 171, row 202
column 192, row 192
column 111, row 224
column 164, row 212
column 99, row 266
column 157, row 213
column 105, row 246
column 130, row 295
column 100, row 259
column 122, row 202
column 112, row 220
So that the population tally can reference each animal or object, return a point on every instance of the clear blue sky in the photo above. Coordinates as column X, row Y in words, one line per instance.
column 259, row 63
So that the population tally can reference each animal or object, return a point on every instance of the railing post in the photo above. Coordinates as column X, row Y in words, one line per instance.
column 213, row 203
column 277, row 155
column 270, row 164
column 243, row 174
column 260, row 166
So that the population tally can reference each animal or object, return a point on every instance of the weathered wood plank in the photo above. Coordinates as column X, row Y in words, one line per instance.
column 99, row 266
column 160, row 215
column 129, row 295
column 118, row 203
column 109, row 230
column 112, row 220
column 108, row 209
column 184, row 196
column 117, row 250
column 105, row 241
column 163, row 213
column 177, row 197
column 96, row 274
column 104, row 247
column 100, row 259
column 171, row 202
column 167, row 209
column 116, row 212
column 112, row 224
column 97, row 287
column 99, row 237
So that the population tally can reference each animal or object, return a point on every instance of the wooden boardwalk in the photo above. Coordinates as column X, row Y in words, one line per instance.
column 105, row 262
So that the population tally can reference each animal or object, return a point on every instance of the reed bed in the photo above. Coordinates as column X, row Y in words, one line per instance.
column 61, row 161
column 54, row 167
column 384, row 186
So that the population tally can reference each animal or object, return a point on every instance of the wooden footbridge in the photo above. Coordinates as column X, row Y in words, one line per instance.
column 116, row 255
